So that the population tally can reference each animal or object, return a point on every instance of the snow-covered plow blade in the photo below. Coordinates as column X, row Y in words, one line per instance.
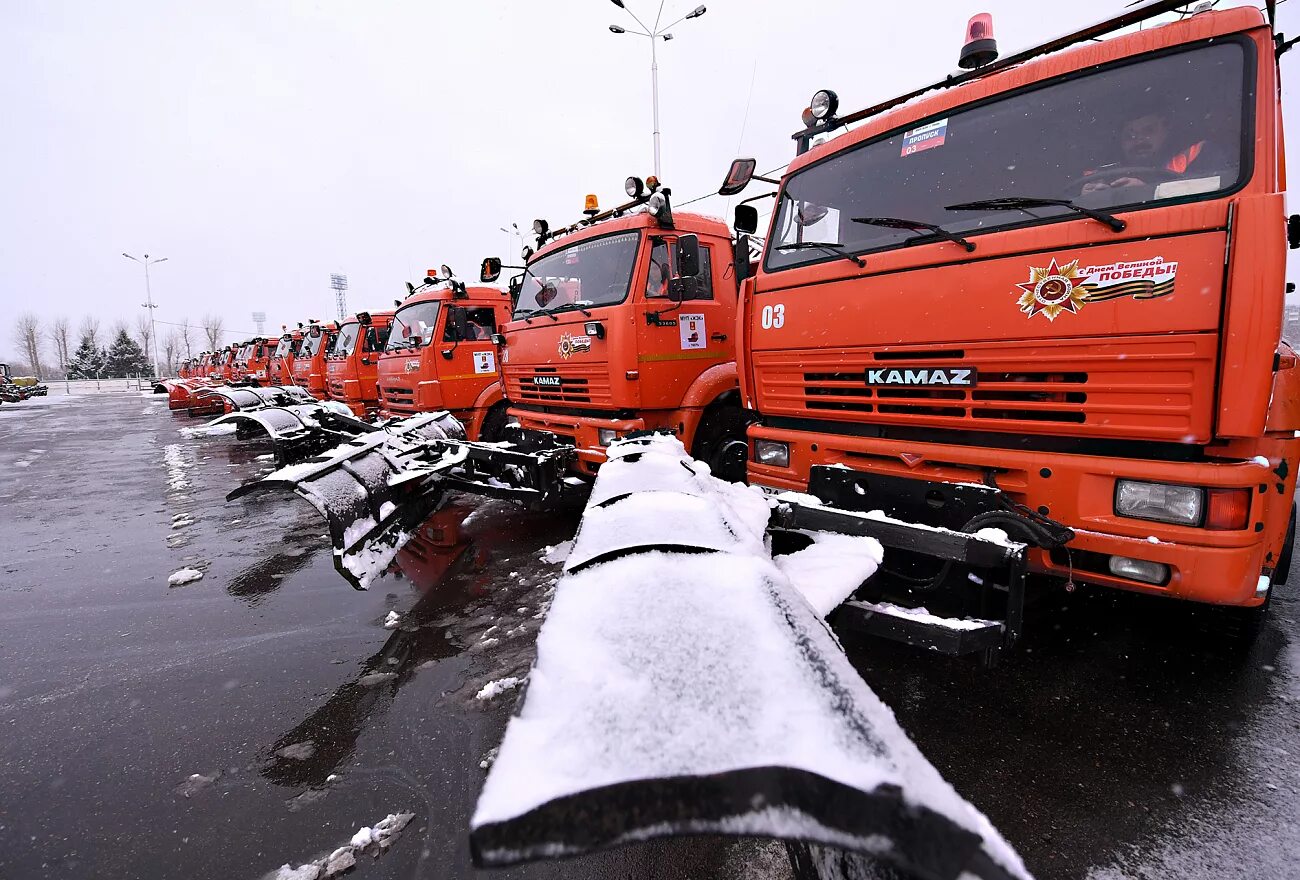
column 685, row 685
column 299, row 431
column 374, row 488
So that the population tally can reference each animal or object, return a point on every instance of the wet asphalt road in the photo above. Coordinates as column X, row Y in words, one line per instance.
column 262, row 714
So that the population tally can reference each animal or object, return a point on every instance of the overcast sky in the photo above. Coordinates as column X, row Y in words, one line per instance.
column 262, row 146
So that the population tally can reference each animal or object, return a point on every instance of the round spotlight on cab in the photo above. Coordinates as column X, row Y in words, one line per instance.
column 824, row 104
column 634, row 186
column 541, row 227
column 445, row 270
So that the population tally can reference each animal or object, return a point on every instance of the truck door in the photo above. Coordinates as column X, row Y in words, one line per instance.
column 678, row 341
column 467, row 356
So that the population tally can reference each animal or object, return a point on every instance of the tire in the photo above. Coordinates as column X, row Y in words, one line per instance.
column 1283, row 568
column 1238, row 628
column 720, row 441
column 493, row 423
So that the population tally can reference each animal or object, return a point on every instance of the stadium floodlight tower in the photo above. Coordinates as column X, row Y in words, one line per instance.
column 259, row 318
column 340, row 285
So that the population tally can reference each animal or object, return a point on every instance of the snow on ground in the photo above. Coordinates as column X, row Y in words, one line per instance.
column 558, row 553
column 496, row 688
column 393, row 620
column 209, row 430
column 184, row 576
column 383, row 835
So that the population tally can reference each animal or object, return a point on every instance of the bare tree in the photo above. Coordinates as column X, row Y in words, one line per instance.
column 187, row 337
column 172, row 347
column 27, row 336
column 214, row 326
column 90, row 330
column 144, row 333
column 60, row 334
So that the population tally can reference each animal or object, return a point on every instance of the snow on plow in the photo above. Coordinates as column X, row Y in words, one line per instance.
column 377, row 486
column 685, row 685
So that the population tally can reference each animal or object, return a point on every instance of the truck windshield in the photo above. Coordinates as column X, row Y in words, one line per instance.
column 1132, row 136
column 346, row 342
column 413, row 326
column 310, row 344
column 597, row 272
column 285, row 346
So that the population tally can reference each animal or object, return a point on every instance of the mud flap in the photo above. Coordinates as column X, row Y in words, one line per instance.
column 684, row 686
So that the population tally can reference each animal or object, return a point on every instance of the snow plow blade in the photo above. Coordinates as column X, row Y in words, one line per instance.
column 297, row 432
column 376, row 487
column 684, row 685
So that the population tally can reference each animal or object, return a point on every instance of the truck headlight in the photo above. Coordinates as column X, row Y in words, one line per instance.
column 772, row 452
column 1160, row 502
column 606, row 436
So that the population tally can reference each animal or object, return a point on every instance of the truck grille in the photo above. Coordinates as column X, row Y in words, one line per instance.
column 1136, row 386
column 399, row 399
column 576, row 384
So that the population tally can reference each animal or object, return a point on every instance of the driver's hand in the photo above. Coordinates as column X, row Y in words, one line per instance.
column 1127, row 181
column 1095, row 186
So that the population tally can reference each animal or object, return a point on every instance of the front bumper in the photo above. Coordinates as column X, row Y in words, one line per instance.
column 582, row 431
column 1220, row 567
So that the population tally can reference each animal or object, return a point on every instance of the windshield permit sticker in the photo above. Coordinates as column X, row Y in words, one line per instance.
column 692, row 332
column 926, row 137
column 1056, row 289
column 570, row 344
column 485, row 362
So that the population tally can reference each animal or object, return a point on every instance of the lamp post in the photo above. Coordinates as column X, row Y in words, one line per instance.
column 514, row 230
column 654, row 33
column 149, row 304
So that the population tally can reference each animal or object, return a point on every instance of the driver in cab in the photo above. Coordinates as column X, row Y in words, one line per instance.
column 1146, row 145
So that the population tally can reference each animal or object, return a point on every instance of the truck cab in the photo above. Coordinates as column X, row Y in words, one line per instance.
column 1059, row 276
column 256, row 359
column 309, row 358
column 226, row 363
column 440, row 354
column 352, row 363
column 280, row 367
column 608, row 337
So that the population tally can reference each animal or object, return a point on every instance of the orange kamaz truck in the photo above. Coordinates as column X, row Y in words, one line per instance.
column 280, row 368
column 352, row 363
column 1030, row 317
column 440, row 354
column 610, row 337
column 308, row 367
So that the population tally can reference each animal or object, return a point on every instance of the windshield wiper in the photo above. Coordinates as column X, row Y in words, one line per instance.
column 833, row 248
column 580, row 305
column 933, row 232
column 1021, row 203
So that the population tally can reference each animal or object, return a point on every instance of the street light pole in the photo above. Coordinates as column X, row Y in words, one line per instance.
column 654, row 33
column 149, row 304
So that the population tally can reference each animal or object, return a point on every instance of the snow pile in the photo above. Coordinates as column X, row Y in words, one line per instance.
column 831, row 568
column 557, row 554
column 184, row 576
column 496, row 688
column 700, row 692
column 174, row 461
column 383, row 835
column 211, row 429
column 393, row 620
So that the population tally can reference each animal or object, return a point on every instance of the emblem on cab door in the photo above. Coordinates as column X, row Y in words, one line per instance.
column 570, row 343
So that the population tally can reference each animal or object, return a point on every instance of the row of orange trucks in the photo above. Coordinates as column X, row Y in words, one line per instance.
column 1021, row 326
column 994, row 337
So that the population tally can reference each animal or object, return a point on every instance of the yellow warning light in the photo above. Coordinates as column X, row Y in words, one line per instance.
column 652, row 183
column 592, row 207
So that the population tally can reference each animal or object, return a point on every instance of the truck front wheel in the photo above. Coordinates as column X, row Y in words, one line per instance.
column 720, row 442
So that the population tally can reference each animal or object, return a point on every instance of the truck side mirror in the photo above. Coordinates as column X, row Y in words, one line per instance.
column 746, row 219
column 491, row 270
column 515, row 284
column 738, row 177
column 688, row 255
